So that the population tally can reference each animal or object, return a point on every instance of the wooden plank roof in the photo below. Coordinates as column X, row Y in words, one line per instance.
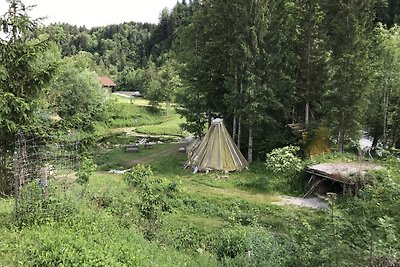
column 341, row 171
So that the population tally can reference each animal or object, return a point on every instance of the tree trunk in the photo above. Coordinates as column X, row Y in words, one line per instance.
column 308, row 77
column 209, row 119
column 250, row 149
column 307, row 112
column 385, row 116
column 341, row 132
column 167, row 107
column 235, row 109
column 239, row 134
column 293, row 115
column 234, row 125
column 374, row 142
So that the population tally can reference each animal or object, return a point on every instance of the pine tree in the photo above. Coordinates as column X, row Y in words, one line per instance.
column 348, row 22
column 313, row 56
column 383, row 100
column 24, row 73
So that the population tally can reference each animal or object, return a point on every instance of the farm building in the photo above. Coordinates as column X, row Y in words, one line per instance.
column 106, row 82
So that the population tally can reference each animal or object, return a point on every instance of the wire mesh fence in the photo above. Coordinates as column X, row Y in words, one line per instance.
column 41, row 160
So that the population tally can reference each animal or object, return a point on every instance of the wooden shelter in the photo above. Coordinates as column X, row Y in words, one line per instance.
column 345, row 177
column 106, row 82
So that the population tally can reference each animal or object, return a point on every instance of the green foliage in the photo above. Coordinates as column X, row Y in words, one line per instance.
column 284, row 160
column 138, row 176
column 252, row 247
column 26, row 68
column 114, row 47
column 89, row 238
column 163, row 84
column 132, row 79
column 378, row 201
column 350, row 67
column 153, row 196
column 78, row 97
column 382, row 118
column 86, row 169
column 213, row 216
column 40, row 206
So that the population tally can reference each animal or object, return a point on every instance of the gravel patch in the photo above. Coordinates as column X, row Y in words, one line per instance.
column 118, row 171
column 313, row 203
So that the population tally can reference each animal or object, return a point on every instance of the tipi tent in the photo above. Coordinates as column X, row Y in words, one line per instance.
column 217, row 151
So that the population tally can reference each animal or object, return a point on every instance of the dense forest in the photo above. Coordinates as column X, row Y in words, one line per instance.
column 286, row 76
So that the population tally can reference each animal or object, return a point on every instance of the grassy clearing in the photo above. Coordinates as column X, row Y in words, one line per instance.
column 160, row 156
column 168, row 127
column 215, row 219
column 138, row 116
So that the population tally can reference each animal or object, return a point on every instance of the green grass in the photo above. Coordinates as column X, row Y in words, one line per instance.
column 130, row 115
column 216, row 219
column 160, row 156
column 215, row 214
column 138, row 116
column 89, row 238
column 167, row 127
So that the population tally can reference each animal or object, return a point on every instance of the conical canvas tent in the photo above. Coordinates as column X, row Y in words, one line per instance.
column 217, row 151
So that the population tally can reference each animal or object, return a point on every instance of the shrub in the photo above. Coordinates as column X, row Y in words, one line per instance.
column 34, row 207
column 88, row 239
column 85, row 171
column 230, row 242
column 284, row 160
column 251, row 246
column 153, row 195
column 138, row 176
column 373, row 212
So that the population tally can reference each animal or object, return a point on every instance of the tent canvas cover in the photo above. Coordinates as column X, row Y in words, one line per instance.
column 217, row 151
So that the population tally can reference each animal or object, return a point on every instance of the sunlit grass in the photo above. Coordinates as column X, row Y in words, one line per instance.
column 168, row 127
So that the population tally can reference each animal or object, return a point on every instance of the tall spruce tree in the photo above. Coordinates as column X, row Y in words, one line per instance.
column 313, row 55
column 189, row 46
column 24, row 74
column 349, row 22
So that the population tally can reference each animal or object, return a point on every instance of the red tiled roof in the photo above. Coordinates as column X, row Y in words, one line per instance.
column 105, row 81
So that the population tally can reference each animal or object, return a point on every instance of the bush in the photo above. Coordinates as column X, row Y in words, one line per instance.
column 88, row 239
column 153, row 195
column 241, row 246
column 34, row 207
column 138, row 176
column 373, row 211
column 184, row 237
column 284, row 160
column 87, row 167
